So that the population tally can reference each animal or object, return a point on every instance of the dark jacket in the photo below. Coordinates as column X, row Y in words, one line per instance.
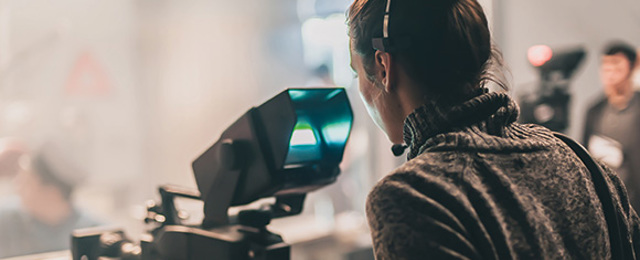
column 479, row 186
column 594, row 114
column 631, row 151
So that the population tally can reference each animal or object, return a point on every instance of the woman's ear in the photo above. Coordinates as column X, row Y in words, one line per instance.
column 385, row 71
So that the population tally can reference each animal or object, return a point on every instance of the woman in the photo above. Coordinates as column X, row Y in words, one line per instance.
column 477, row 185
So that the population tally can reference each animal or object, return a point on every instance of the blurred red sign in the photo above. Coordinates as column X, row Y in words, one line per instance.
column 87, row 78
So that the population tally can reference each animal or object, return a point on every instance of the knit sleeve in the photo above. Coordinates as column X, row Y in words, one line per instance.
column 407, row 224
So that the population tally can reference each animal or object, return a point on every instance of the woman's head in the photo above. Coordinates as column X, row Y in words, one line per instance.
column 443, row 48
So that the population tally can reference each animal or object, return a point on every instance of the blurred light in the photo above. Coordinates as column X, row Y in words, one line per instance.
column 17, row 114
column 539, row 55
column 329, row 32
column 326, row 41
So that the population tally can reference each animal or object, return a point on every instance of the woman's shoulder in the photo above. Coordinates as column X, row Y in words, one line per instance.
column 433, row 166
column 428, row 178
column 420, row 201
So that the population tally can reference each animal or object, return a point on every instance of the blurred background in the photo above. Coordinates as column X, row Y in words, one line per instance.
column 130, row 92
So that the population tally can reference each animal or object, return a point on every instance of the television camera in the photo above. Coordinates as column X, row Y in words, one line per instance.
column 286, row 147
column 549, row 105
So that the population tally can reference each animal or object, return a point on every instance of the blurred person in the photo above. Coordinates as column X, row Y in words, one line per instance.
column 42, row 216
column 11, row 149
column 636, row 80
column 477, row 185
column 321, row 77
column 612, row 124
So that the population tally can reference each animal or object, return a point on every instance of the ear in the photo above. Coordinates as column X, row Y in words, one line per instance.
column 385, row 70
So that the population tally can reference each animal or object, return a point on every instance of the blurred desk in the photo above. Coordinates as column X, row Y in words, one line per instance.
column 62, row 255
column 346, row 238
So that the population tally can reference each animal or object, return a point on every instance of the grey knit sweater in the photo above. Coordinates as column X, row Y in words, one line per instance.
column 479, row 186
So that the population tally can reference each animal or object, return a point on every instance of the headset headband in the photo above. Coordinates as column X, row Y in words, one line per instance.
column 385, row 43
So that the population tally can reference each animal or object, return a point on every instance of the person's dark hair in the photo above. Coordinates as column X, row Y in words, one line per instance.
column 322, row 71
column 449, row 51
column 53, row 162
column 48, row 175
column 619, row 47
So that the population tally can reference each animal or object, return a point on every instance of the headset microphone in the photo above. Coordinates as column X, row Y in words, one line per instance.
column 398, row 149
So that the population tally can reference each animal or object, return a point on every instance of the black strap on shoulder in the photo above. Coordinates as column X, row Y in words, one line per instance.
column 611, row 212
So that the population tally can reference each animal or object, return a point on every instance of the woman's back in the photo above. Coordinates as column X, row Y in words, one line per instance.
column 486, row 187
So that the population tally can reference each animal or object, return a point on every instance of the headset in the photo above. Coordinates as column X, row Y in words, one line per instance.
column 384, row 43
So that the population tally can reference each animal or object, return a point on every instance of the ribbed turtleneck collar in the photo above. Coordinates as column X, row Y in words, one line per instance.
column 493, row 111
